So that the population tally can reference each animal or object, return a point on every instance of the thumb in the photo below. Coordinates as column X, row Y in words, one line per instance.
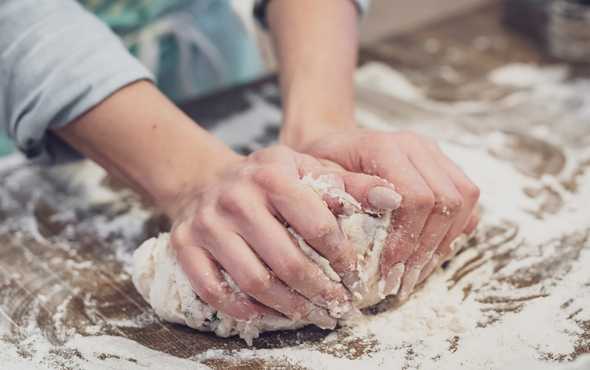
column 372, row 192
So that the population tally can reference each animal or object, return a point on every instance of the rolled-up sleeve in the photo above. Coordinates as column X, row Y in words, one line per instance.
column 261, row 5
column 57, row 61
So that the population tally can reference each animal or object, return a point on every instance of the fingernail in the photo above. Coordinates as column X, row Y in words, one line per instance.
column 410, row 280
column 394, row 278
column 321, row 318
column 384, row 198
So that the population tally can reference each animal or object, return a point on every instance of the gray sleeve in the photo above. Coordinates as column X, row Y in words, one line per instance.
column 261, row 5
column 57, row 61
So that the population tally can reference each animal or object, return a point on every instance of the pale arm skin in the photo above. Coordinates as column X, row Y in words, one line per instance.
column 316, row 43
column 225, row 207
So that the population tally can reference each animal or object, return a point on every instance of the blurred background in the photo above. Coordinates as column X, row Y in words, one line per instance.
column 385, row 17
column 558, row 28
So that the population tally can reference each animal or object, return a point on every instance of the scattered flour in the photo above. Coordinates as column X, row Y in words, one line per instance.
column 486, row 320
column 517, row 297
column 160, row 280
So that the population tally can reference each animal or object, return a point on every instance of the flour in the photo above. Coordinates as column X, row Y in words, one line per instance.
column 160, row 280
column 499, row 316
column 527, row 75
column 516, row 297
column 91, row 353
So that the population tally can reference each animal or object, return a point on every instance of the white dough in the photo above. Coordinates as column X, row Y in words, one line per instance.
column 160, row 280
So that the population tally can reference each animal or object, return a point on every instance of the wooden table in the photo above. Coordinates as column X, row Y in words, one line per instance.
column 66, row 276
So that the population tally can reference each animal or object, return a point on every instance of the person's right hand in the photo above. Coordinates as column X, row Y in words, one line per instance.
column 439, row 200
column 236, row 223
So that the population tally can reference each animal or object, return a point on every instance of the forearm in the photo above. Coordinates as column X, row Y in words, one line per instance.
column 316, row 44
column 141, row 138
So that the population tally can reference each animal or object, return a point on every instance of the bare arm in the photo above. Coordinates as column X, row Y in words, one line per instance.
column 316, row 44
column 139, row 136
column 224, row 206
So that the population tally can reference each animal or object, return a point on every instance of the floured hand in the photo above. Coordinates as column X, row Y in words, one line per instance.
column 439, row 201
column 236, row 224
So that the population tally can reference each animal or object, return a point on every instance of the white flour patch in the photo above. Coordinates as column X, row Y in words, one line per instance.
column 485, row 320
column 517, row 297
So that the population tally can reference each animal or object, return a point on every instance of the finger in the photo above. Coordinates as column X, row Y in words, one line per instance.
column 254, row 279
column 446, row 252
column 410, row 218
column 273, row 243
column 467, row 219
column 448, row 204
column 372, row 192
column 472, row 222
column 345, row 193
column 295, row 202
column 470, row 195
column 209, row 284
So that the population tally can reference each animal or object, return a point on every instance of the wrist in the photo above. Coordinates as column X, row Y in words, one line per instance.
column 311, row 110
column 299, row 132
column 173, row 187
column 157, row 150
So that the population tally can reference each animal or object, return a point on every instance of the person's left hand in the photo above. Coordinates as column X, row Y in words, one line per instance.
column 439, row 201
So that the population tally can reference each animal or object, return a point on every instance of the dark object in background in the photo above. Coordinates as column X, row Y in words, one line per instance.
column 528, row 17
column 562, row 27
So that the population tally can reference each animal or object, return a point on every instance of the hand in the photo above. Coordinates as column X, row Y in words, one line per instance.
column 439, row 201
column 236, row 223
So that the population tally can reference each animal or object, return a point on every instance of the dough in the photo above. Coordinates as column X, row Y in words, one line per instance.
column 162, row 283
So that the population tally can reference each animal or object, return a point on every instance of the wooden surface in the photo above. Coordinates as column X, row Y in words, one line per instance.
column 47, row 273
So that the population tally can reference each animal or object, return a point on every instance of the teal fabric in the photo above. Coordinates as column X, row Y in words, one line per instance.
column 129, row 15
column 214, row 20
column 217, row 21
column 221, row 52
column 6, row 146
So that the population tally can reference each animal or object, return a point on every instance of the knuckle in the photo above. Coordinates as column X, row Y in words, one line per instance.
column 203, row 220
column 293, row 270
column 255, row 284
column 234, row 202
column 268, row 178
column 300, row 307
column 178, row 238
column 271, row 153
column 422, row 200
column 448, row 206
column 409, row 245
column 472, row 192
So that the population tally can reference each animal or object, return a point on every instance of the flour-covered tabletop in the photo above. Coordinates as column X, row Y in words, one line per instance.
column 516, row 296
